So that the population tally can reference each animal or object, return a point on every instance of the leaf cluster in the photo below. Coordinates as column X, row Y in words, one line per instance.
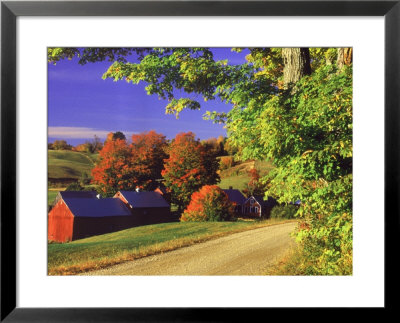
column 121, row 166
column 210, row 203
column 189, row 167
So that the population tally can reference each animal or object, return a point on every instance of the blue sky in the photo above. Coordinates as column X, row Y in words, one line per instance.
column 81, row 104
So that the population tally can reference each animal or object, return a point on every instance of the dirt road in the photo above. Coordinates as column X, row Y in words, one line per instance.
column 246, row 253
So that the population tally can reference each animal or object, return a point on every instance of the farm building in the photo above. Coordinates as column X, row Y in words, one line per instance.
column 74, row 194
column 257, row 206
column 236, row 197
column 78, row 217
column 146, row 207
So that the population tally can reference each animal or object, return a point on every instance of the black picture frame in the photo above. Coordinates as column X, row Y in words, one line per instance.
column 10, row 10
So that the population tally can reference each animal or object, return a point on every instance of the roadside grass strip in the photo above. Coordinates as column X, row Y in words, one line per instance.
column 114, row 248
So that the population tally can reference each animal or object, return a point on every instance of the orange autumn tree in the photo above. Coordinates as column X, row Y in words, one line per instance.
column 113, row 170
column 125, row 167
column 255, row 186
column 149, row 150
column 209, row 204
column 188, row 168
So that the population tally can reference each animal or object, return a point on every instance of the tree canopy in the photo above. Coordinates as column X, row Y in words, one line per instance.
column 123, row 166
column 210, row 203
column 188, row 167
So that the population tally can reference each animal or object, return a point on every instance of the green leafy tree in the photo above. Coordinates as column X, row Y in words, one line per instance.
column 283, row 212
column 84, row 179
column 94, row 145
column 75, row 186
column 61, row 145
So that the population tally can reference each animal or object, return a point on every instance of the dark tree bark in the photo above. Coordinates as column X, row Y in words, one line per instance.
column 345, row 57
column 296, row 65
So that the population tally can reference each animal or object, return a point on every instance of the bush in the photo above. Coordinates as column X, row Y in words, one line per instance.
column 209, row 204
column 283, row 212
column 84, row 179
column 74, row 187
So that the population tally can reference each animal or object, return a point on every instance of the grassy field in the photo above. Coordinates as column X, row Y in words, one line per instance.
column 113, row 248
column 238, row 176
column 69, row 164
column 65, row 166
column 236, row 181
column 51, row 195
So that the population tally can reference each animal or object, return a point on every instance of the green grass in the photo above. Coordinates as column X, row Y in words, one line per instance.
column 113, row 248
column 51, row 195
column 69, row 164
column 238, row 176
column 236, row 181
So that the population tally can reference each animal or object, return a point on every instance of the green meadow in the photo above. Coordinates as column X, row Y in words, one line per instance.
column 66, row 164
column 238, row 175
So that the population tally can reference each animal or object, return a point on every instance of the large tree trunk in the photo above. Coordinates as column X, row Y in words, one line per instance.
column 296, row 65
column 345, row 57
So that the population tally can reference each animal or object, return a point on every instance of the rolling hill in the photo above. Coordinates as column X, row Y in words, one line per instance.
column 65, row 166
column 238, row 175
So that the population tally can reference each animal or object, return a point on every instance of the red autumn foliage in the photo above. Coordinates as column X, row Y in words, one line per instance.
column 149, row 149
column 254, row 186
column 124, row 167
column 188, row 168
column 209, row 204
column 113, row 169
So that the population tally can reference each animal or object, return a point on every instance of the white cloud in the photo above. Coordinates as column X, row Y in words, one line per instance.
column 78, row 132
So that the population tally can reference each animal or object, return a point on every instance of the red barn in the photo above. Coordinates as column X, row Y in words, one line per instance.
column 146, row 207
column 81, row 216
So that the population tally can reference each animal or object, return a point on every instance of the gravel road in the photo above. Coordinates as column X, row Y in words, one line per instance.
column 245, row 253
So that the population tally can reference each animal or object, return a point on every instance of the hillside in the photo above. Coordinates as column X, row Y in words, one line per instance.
column 238, row 175
column 65, row 166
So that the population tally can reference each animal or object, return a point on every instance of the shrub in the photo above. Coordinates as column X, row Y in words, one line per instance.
column 74, row 187
column 283, row 212
column 210, row 203
column 84, row 179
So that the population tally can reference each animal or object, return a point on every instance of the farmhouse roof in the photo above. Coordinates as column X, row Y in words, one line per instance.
column 78, row 194
column 82, row 207
column 270, row 202
column 144, row 199
column 235, row 196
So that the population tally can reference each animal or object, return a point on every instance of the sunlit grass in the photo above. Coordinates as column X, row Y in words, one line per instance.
column 69, row 164
column 238, row 176
column 51, row 195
